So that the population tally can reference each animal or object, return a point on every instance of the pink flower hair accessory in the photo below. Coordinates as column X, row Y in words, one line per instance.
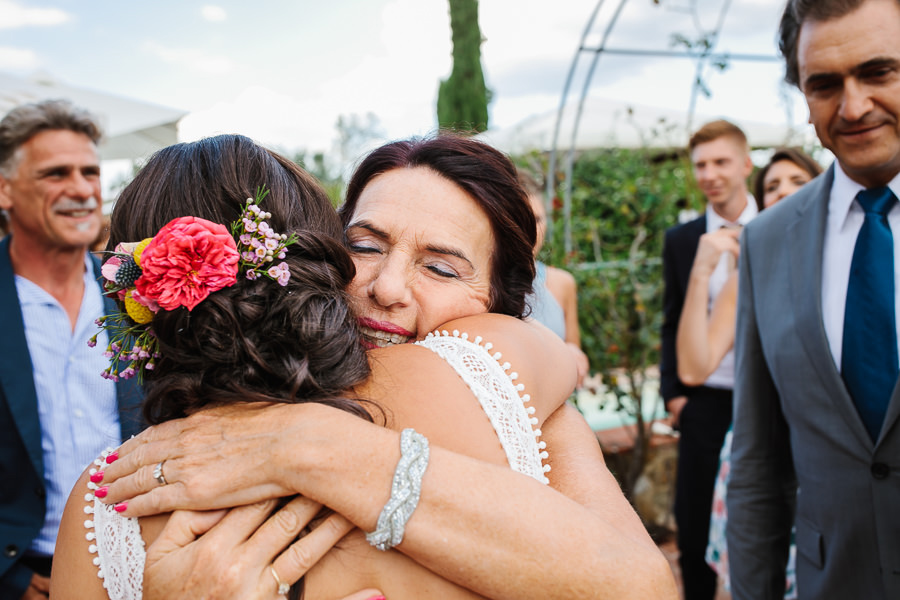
column 186, row 261
column 259, row 245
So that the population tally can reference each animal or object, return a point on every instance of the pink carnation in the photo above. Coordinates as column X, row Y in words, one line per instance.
column 188, row 259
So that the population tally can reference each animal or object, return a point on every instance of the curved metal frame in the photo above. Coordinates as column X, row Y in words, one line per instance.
column 703, row 59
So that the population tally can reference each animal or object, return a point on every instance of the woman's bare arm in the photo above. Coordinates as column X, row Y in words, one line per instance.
column 705, row 337
column 474, row 519
column 562, row 285
column 74, row 574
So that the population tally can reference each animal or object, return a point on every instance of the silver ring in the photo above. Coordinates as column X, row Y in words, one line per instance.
column 158, row 473
column 283, row 588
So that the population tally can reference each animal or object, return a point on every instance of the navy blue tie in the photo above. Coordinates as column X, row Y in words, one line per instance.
column 869, row 363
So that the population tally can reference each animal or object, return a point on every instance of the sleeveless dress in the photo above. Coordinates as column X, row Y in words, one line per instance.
column 545, row 308
column 116, row 540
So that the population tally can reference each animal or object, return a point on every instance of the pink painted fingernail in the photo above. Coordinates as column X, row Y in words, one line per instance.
column 101, row 492
column 97, row 477
column 376, row 598
column 112, row 457
column 120, row 507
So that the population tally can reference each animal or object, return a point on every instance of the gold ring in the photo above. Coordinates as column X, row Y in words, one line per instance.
column 283, row 588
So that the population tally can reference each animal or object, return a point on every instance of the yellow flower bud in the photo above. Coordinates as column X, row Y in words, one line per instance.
column 139, row 249
column 138, row 312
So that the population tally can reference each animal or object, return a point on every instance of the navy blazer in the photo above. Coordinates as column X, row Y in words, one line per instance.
column 22, row 503
column 679, row 249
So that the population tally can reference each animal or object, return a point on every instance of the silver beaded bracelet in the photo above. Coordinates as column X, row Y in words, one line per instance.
column 405, row 490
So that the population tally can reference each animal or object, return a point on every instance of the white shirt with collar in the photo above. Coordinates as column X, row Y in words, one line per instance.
column 723, row 376
column 845, row 219
column 77, row 408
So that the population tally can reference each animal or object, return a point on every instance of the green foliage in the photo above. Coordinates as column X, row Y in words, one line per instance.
column 463, row 97
column 623, row 200
column 316, row 164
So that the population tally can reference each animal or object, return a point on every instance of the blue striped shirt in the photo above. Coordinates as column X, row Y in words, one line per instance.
column 77, row 407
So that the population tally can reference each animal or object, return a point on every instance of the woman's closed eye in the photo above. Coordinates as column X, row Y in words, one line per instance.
column 442, row 271
column 364, row 248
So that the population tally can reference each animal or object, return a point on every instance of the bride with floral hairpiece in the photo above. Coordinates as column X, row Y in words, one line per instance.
column 519, row 536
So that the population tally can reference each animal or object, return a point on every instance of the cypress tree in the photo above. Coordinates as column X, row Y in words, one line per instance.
column 463, row 97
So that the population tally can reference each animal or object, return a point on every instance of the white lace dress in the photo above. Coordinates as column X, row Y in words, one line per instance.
column 116, row 541
column 494, row 385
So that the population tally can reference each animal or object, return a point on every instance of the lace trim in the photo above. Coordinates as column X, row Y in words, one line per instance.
column 499, row 396
column 117, row 543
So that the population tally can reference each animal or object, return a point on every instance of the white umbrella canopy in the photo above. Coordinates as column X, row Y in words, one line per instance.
column 132, row 129
column 616, row 124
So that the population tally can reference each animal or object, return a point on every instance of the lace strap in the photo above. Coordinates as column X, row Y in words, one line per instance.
column 494, row 386
column 117, row 543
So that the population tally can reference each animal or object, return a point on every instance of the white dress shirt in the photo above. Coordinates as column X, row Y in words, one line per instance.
column 845, row 219
column 723, row 376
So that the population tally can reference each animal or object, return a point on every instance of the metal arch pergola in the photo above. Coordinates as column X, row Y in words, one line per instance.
column 703, row 58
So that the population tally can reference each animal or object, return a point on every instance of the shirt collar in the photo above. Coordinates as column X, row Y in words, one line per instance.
column 844, row 191
column 715, row 221
column 31, row 293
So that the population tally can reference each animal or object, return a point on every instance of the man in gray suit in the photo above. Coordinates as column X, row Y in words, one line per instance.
column 816, row 435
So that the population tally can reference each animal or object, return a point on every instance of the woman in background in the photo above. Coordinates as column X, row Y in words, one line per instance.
column 554, row 302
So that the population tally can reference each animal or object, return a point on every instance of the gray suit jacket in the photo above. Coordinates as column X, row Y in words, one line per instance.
column 798, row 439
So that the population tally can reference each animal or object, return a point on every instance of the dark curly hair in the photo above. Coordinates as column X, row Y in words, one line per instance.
column 490, row 178
column 255, row 340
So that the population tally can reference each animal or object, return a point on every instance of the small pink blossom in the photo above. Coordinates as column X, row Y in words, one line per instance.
column 111, row 267
column 280, row 272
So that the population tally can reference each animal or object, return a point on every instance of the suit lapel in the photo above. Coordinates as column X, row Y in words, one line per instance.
column 688, row 249
column 16, row 371
column 807, row 241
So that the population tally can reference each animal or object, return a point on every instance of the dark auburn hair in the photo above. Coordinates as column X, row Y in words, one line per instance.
column 491, row 180
column 794, row 155
column 255, row 340
column 797, row 12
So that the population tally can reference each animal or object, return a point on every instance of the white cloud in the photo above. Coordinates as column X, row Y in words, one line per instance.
column 213, row 13
column 18, row 58
column 192, row 58
column 14, row 16
column 268, row 117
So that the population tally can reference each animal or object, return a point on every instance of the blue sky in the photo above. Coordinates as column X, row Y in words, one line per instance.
column 283, row 71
